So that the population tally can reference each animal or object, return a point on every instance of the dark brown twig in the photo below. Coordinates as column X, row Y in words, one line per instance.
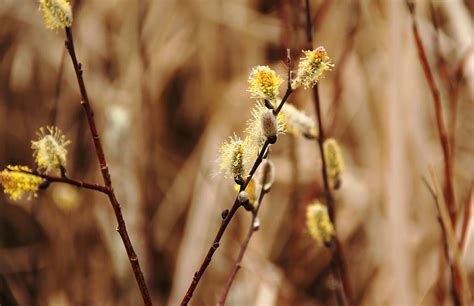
column 443, row 137
column 215, row 244
column 122, row 230
column 243, row 248
column 65, row 180
column 338, row 262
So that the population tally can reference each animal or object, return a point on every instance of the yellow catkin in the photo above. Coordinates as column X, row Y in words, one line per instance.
column 50, row 149
column 318, row 223
column 264, row 83
column 57, row 14
column 16, row 183
column 312, row 67
column 234, row 156
column 334, row 162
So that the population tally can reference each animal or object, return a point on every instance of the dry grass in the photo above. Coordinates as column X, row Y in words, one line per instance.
column 167, row 80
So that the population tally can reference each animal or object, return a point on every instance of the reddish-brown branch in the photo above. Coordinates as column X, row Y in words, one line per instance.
column 451, row 249
column 243, row 248
column 65, row 180
column 105, row 172
column 443, row 137
column 338, row 261
column 225, row 222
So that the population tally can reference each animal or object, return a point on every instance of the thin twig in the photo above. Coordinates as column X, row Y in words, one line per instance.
column 215, row 244
column 458, row 277
column 443, row 136
column 66, row 180
column 106, row 174
column 338, row 262
column 243, row 248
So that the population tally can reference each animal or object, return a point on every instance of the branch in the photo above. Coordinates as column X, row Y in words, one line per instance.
column 105, row 173
column 253, row 227
column 458, row 277
column 443, row 137
column 228, row 217
column 338, row 262
column 65, row 180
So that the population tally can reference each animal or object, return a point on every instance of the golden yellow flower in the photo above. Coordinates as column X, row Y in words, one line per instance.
column 318, row 223
column 334, row 162
column 264, row 125
column 50, row 149
column 57, row 14
column 312, row 67
column 264, row 83
column 234, row 156
column 16, row 183
column 298, row 123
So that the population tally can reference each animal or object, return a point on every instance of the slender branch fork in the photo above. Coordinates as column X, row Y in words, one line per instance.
column 65, row 180
column 215, row 244
column 121, row 228
column 339, row 263
column 253, row 227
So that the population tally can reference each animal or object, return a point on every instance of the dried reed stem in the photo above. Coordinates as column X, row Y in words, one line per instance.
column 338, row 262
column 215, row 244
column 466, row 220
column 106, row 174
column 443, row 136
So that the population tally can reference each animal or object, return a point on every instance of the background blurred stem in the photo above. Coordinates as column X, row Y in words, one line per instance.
column 443, row 136
column 338, row 261
column 105, row 172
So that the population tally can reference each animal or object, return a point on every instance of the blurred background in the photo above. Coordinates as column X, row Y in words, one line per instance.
column 167, row 80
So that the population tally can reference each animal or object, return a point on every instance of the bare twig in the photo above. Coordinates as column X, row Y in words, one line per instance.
column 253, row 227
column 443, row 137
column 215, row 244
column 122, row 229
column 338, row 262
column 65, row 180
column 458, row 277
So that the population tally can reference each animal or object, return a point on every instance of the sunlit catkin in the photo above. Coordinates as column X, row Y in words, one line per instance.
column 57, row 14
column 318, row 223
column 264, row 83
column 16, row 183
column 312, row 67
column 234, row 156
column 334, row 163
column 50, row 149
